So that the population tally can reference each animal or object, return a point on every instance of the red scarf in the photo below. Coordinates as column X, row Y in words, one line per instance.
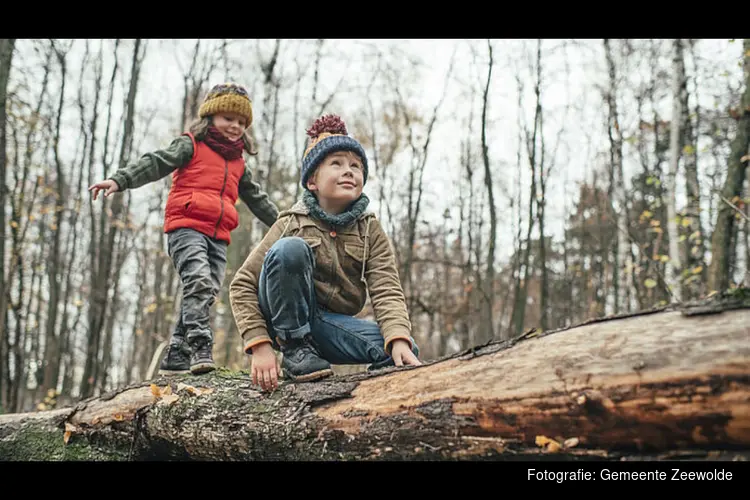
column 230, row 150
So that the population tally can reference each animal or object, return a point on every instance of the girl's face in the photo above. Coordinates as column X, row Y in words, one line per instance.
column 231, row 125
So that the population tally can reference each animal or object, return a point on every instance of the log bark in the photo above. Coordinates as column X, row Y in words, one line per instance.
column 667, row 383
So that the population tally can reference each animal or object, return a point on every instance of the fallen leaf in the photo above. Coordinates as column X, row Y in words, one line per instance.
column 542, row 441
column 550, row 445
column 167, row 391
column 196, row 391
column 571, row 442
column 155, row 390
column 96, row 420
column 169, row 399
column 70, row 429
column 119, row 417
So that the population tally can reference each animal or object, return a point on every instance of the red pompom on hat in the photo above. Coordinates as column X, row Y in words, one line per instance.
column 333, row 124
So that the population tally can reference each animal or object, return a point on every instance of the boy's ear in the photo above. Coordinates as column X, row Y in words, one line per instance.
column 311, row 186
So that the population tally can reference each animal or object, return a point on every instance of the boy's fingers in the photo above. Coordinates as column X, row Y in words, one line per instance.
column 397, row 359
column 255, row 376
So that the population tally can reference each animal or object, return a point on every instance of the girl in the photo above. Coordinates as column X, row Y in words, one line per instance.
column 208, row 175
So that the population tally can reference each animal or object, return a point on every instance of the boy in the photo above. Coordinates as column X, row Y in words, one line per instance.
column 301, row 287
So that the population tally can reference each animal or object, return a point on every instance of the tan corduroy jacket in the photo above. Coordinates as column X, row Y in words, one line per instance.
column 348, row 264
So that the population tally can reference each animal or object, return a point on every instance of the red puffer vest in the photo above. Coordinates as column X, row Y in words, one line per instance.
column 203, row 194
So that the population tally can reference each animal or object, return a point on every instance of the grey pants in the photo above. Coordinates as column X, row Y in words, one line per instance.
column 200, row 261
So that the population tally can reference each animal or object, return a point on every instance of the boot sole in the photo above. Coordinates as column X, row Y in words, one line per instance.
column 173, row 372
column 308, row 377
column 202, row 368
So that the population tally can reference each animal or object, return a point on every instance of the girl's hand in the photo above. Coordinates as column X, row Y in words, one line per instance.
column 109, row 185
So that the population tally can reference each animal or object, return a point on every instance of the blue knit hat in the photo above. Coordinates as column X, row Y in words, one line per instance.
column 327, row 135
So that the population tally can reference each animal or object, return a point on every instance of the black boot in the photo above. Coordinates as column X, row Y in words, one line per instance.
column 202, row 360
column 302, row 362
column 176, row 360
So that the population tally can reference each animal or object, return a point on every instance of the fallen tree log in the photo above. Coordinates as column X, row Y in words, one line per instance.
column 669, row 383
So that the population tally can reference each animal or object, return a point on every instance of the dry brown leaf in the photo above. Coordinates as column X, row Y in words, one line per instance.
column 155, row 390
column 196, row 391
column 571, row 442
column 169, row 399
column 70, row 429
column 553, row 447
column 96, row 420
column 542, row 441
column 167, row 391
column 549, row 444
column 119, row 417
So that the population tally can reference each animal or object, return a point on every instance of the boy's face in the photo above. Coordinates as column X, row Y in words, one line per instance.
column 231, row 125
column 338, row 179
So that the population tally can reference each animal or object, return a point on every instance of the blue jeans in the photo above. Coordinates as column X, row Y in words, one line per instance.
column 201, row 263
column 286, row 295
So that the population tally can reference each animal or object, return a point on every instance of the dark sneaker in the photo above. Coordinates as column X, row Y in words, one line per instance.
column 176, row 361
column 302, row 362
column 202, row 360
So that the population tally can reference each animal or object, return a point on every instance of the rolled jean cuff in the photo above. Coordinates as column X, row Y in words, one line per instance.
column 295, row 334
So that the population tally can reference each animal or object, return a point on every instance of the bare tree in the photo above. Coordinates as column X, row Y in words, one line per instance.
column 673, row 266
column 722, row 237
column 6, row 58
column 489, row 279
column 104, row 275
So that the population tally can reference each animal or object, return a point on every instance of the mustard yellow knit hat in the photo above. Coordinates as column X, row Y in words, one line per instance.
column 227, row 98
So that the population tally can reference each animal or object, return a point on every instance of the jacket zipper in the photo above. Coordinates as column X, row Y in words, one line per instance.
column 221, row 197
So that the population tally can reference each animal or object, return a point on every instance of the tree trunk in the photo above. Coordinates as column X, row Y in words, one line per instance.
column 104, row 273
column 617, row 193
column 489, row 278
column 52, row 341
column 694, row 247
column 674, row 267
column 667, row 382
column 6, row 59
column 719, row 271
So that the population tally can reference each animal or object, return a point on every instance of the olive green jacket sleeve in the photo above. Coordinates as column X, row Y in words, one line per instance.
column 256, row 199
column 155, row 165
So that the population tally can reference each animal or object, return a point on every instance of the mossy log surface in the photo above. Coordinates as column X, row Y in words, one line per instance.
column 667, row 383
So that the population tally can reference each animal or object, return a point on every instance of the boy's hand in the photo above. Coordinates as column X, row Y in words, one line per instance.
column 109, row 185
column 402, row 354
column 264, row 367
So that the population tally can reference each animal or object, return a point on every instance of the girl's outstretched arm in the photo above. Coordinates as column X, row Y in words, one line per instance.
column 154, row 165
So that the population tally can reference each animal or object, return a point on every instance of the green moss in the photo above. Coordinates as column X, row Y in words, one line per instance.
column 39, row 445
column 223, row 372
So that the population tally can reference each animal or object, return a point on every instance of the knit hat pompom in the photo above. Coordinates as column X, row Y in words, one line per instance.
column 333, row 124
column 328, row 134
